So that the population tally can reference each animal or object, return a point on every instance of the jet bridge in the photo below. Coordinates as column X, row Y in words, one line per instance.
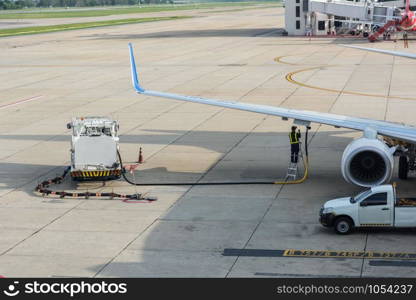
column 397, row 3
column 342, row 8
column 322, row 17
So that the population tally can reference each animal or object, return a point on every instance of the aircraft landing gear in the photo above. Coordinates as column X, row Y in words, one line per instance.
column 403, row 167
column 407, row 157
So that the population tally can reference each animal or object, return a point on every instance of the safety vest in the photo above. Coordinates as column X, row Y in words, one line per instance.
column 294, row 138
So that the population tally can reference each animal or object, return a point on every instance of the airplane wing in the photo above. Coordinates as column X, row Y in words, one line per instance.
column 303, row 117
column 394, row 53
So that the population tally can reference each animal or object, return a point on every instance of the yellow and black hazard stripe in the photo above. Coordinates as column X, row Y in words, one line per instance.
column 305, row 253
column 95, row 174
column 347, row 254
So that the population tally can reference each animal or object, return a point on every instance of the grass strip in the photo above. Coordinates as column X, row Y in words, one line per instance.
column 88, row 12
column 76, row 26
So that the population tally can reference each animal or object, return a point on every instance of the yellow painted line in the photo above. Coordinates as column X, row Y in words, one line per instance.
column 289, row 77
column 348, row 254
column 279, row 60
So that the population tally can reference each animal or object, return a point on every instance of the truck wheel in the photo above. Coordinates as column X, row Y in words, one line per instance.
column 403, row 167
column 343, row 225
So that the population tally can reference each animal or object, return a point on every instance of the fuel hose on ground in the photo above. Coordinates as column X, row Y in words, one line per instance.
column 305, row 159
column 43, row 187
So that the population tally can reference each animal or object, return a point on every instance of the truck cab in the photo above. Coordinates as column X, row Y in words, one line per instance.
column 375, row 207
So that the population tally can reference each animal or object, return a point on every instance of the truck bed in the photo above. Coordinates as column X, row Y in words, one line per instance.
column 405, row 214
column 400, row 201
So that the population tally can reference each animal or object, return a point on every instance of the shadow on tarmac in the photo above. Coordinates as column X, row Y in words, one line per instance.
column 244, row 32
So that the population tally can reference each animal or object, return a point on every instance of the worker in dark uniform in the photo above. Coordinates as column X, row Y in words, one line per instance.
column 294, row 137
column 406, row 40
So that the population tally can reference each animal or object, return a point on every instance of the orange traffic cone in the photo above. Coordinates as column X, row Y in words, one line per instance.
column 140, row 160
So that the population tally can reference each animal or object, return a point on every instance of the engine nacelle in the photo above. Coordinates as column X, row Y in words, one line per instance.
column 367, row 162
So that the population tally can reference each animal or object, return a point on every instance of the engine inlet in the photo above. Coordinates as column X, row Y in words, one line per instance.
column 368, row 166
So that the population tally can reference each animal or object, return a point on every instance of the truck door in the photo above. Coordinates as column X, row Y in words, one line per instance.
column 375, row 211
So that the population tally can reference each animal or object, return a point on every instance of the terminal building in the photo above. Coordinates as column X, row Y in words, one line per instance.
column 323, row 17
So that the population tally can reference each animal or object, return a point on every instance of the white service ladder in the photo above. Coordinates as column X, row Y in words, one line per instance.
column 292, row 171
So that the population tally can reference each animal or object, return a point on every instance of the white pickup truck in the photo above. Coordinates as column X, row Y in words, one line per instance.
column 376, row 207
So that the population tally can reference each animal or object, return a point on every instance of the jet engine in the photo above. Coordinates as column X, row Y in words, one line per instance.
column 367, row 162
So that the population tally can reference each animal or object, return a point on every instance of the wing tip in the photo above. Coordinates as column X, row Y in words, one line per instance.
column 134, row 77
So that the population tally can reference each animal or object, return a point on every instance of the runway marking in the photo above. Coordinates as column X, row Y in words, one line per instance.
column 289, row 77
column 19, row 102
column 319, row 254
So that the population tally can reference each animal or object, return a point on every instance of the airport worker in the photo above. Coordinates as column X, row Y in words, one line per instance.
column 294, row 137
column 405, row 39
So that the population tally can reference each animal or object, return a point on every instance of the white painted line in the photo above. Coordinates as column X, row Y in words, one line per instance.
column 19, row 102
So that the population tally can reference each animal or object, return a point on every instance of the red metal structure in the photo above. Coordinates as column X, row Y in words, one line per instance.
column 406, row 23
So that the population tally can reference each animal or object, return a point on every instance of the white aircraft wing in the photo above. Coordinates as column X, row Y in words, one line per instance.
column 393, row 130
column 394, row 53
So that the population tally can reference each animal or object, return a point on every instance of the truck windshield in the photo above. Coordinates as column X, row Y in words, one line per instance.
column 360, row 196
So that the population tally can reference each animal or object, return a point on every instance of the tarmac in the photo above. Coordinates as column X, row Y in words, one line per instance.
column 187, row 231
